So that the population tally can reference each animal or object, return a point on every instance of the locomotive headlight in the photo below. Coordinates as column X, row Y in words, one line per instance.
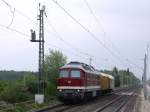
column 60, row 90
column 78, row 90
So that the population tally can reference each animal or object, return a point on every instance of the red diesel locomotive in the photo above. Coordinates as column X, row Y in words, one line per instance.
column 78, row 81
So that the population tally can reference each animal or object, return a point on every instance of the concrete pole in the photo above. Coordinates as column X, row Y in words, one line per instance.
column 144, row 77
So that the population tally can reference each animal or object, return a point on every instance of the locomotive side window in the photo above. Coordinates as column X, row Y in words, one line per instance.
column 64, row 73
column 75, row 73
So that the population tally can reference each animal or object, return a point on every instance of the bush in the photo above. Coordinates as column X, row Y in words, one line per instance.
column 19, row 109
column 13, row 93
column 50, row 91
column 31, row 83
column 3, row 84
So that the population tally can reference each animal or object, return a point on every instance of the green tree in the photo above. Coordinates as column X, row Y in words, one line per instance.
column 116, row 76
column 30, row 82
column 53, row 61
column 127, row 77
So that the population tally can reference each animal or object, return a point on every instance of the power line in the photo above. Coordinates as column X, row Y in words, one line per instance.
column 6, row 3
column 96, row 19
column 134, row 64
column 58, row 35
column 72, row 53
column 99, row 24
column 12, row 11
column 16, row 10
column 21, row 33
column 13, row 16
column 67, row 43
column 87, row 30
column 48, row 44
column 14, row 30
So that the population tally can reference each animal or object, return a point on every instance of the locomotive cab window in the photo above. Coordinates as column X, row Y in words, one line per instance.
column 75, row 73
column 64, row 73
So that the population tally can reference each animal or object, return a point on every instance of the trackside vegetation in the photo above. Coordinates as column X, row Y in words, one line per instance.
column 123, row 78
column 18, row 87
column 53, row 61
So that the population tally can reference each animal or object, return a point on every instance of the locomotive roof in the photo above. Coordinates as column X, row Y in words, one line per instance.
column 83, row 66
column 86, row 68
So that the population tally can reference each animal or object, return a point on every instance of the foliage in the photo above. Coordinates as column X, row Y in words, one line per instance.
column 30, row 82
column 13, row 93
column 116, row 76
column 21, row 86
column 50, row 91
column 3, row 84
column 53, row 61
column 20, row 90
column 19, row 109
column 123, row 77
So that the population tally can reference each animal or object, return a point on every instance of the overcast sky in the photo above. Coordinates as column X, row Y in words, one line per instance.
column 126, row 24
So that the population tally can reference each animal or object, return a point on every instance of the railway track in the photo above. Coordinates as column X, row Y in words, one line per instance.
column 57, row 108
column 121, row 90
column 107, row 103
column 68, row 108
column 117, row 104
column 62, row 107
column 115, row 101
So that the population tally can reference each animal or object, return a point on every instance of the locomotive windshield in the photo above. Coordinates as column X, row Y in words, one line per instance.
column 64, row 73
column 75, row 73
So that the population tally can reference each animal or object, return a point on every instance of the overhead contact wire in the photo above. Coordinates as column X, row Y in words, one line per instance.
column 98, row 22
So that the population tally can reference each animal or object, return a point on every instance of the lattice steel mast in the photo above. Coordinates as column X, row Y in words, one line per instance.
column 41, row 77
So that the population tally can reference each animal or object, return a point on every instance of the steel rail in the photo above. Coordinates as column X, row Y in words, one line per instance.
column 115, row 101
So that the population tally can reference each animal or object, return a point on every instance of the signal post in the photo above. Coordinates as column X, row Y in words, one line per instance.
column 41, row 75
